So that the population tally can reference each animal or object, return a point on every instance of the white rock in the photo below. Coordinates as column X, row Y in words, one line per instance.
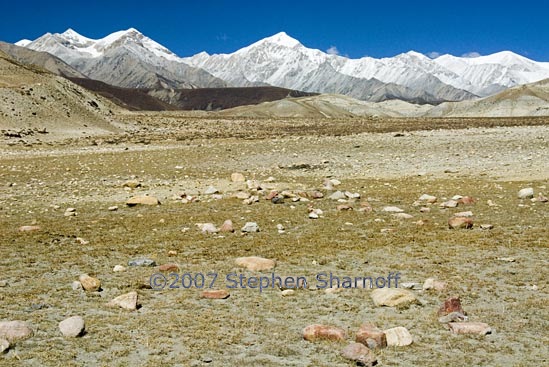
column 16, row 330
column 72, row 327
column 466, row 214
column 210, row 190
column 338, row 195
column 250, row 227
column 402, row 216
column 118, row 268
column 393, row 209
column 4, row 345
column 398, row 337
column 208, row 228
column 526, row 193
column 126, row 301
column 428, row 198
column 238, row 177
column 313, row 215
column 287, row 292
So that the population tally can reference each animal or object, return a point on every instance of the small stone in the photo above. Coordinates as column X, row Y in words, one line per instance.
column 280, row 228
column 424, row 210
column 70, row 210
column 89, row 284
column 253, row 185
column 449, row 204
column 411, row 285
column 343, row 207
column 359, row 354
column 452, row 317
column 313, row 215
column 287, row 293
column 486, row 227
column 227, row 226
column 526, row 193
column 242, row 195
column 210, row 190
column 250, row 227
column 452, row 304
column 14, row 331
column 271, row 195
column 113, row 208
column 126, row 301
column 278, row 200
column 215, row 294
column 466, row 214
column 251, row 200
column 507, row 259
column 352, row 195
column 169, row 267
column 131, row 184
column 393, row 209
column 337, row 196
column 398, row 337
column 491, row 203
column 477, row 328
column 333, row 290
column 82, row 241
column 208, row 228
column 70, row 214
column 72, row 327
column 393, row 297
column 371, row 336
column 237, row 177
column 29, row 228
column 3, row 283
column 172, row 253
column 142, row 200
column 466, row 200
column 460, row 222
column 76, row 285
column 428, row 198
column 542, row 199
column 255, row 263
column 4, row 345
column 431, row 283
column 402, row 216
column 141, row 262
column 323, row 332
column 118, row 268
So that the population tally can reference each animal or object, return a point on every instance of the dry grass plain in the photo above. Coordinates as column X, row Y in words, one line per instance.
column 169, row 155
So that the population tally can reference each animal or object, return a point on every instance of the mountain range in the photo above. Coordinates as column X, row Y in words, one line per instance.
column 130, row 59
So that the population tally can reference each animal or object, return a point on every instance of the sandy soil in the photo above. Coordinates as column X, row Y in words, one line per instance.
column 499, row 274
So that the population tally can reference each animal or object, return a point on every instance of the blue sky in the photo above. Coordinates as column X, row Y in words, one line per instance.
column 355, row 28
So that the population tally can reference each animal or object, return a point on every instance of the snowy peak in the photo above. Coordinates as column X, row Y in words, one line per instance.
column 281, row 39
column 23, row 43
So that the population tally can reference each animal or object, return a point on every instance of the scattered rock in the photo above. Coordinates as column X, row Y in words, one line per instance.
column 466, row 214
column 255, row 263
column 4, row 345
column 210, row 190
column 287, row 293
column 542, row 199
column 113, row 208
column 126, row 301
column 280, row 228
column 486, row 226
column 76, row 285
column 323, row 332
column 169, row 267
column 142, row 200
column 393, row 297
column 242, row 195
column 29, row 228
column 227, row 226
column 411, row 285
column 132, row 184
column 343, row 207
column 424, row 210
column 72, row 327
column 359, row 354
column 452, row 317
column 208, row 228
column 251, row 200
column 141, row 262
column 428, row 198
column 237, row 177
column 460, row 222
column 313, row 215
column 392, row 209
column 452, row 304
column 338, row 195
column 253, row 185
column 118, row 268
column 82, row 241
column 70, row 212
column 371, row 336
column 477, row 328
column 449, row 204
column 215, row 294
column 250, row 227
column 526, row 193
column 431, row 283
column 398, row 337
column 278, row 200
column 89, row 284
column 352, row 195
column 402, row 216
column 14, row 331
column 466, row 200
column 172, row 253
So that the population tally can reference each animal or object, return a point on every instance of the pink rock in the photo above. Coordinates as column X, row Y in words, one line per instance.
column 323, row 332
column 215, row 294
column 478, row 328
column 227, row 226
column 460, row 222
column 452, row 304
column 29, row 228
column 344, row 207
column 271, row 195
column 466, row 200
column 371, row 336
column 16, row 330
column 169, row 267
column 358, row 353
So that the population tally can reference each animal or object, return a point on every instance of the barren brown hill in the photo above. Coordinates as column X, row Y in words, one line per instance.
column 35, row 103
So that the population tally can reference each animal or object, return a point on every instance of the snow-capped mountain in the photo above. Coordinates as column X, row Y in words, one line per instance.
column 125, row 58
column 130, row 59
